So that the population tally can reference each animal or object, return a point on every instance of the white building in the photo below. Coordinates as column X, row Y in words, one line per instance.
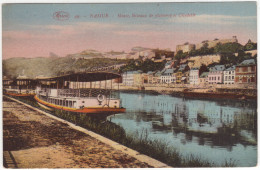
column 128, row 78
column 194, row 76
column 215, row 75
column 229, row 75
column 167, row 76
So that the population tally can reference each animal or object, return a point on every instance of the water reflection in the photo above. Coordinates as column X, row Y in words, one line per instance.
column 223, row 126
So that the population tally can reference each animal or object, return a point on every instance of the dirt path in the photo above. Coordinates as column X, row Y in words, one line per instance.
column 33, row 140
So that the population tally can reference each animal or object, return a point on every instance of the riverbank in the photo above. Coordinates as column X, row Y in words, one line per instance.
column 196, row 93
column 34, row 140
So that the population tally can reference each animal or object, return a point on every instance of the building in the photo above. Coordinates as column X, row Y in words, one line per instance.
column 246, row 72
column 180, row 77
column 215, row 75
column 194, row 76
column 185, row 77
column 128, row 78
column 131, row 78
column 157, row 77
column 185, row 47
column 229, row 75
column 138, row 78
column 203, row 80
column 150, row 76
column 213, row 43
column 167, row 76
column 145, row 78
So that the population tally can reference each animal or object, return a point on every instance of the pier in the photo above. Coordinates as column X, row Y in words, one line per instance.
column 35, row 139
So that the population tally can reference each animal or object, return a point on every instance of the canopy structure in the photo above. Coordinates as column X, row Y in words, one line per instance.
column 84, row 77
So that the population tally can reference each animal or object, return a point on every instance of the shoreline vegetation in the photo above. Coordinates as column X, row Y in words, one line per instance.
column 154, row 148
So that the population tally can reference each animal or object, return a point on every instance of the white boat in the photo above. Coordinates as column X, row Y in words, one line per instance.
column 78, row 93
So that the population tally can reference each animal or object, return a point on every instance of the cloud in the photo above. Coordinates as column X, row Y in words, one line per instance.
column 214, row 19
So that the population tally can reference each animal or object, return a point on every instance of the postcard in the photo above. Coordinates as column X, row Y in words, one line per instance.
column 129, row 85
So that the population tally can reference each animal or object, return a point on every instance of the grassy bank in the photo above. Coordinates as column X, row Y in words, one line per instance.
column 140, row 142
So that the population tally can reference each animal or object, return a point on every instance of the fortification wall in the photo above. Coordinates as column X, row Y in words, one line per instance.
column 197, row 61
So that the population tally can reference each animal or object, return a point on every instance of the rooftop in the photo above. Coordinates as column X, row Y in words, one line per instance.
column 217, row 68
column 169, row 71
column 204, row 74
column 182, row 67
column 247, row 62
column 195, row 68
column 231, row 68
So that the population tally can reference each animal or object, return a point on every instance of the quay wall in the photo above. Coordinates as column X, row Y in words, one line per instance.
column 179, row 89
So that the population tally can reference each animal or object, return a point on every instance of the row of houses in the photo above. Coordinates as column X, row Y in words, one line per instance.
column 245, row 72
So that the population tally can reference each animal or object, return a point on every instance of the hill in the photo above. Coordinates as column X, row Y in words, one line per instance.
column 52, row 66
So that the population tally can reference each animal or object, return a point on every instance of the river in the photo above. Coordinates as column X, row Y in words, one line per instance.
column 217, row 131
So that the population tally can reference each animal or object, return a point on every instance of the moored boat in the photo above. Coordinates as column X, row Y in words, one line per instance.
column 21, row 86
column 80, row 92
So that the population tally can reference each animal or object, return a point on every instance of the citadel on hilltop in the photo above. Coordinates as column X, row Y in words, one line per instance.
column 187, row 47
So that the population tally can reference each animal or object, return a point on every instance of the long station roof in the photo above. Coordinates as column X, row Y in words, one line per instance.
column 84, row 77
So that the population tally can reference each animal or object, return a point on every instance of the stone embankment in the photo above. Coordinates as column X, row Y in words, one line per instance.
column 184, row 90
column 34, row 140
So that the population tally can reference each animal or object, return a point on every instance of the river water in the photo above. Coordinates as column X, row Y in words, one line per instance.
column 217, row 131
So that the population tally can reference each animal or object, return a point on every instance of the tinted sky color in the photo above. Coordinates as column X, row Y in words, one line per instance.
column 30, row 30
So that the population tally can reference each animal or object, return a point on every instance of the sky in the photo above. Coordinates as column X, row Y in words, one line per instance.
column 33, row 30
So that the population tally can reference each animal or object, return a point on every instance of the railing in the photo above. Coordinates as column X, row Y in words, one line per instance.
column 86, row 93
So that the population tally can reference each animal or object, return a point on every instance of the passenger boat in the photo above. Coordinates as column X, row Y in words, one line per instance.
column 21, row 86
column 80, row 92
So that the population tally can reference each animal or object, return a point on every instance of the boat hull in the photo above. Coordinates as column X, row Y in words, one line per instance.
column 83, row 110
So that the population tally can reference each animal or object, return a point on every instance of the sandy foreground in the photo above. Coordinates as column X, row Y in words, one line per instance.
column 33, row 140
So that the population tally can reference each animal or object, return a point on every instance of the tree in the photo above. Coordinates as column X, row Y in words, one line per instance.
column 228, row 48
column 203, row 68
column 250, row 46
column 180, row 55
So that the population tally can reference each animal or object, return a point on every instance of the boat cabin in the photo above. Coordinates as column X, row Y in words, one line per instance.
column 19, row 86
